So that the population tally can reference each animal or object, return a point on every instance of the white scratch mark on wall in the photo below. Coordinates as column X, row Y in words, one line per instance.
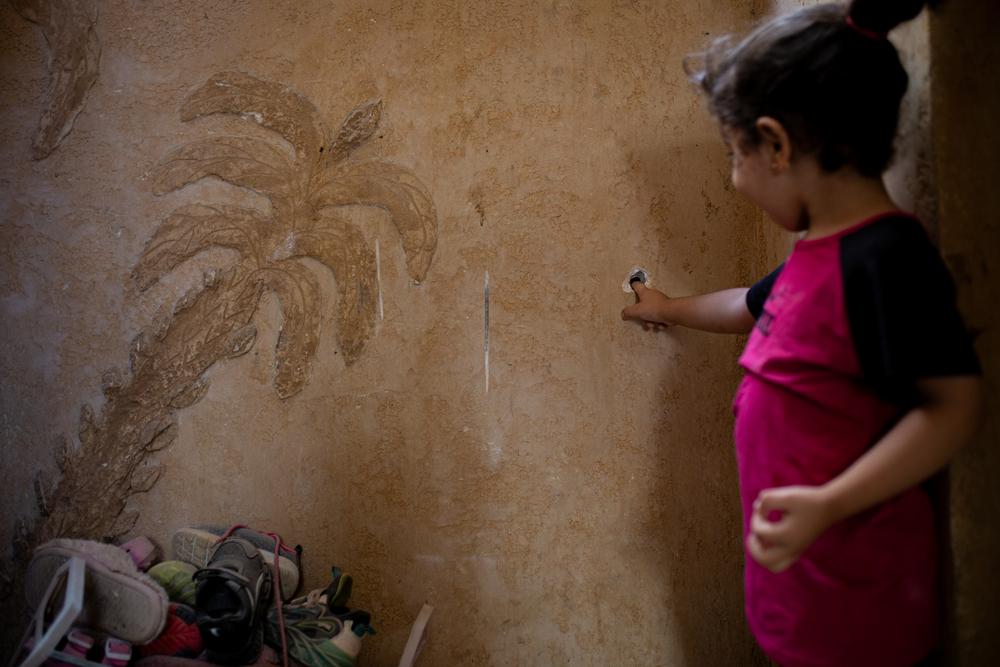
column 378, row 278
column 486, row 329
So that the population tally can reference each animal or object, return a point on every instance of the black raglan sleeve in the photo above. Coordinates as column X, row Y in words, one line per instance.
column 901, row 309
column 758, row 293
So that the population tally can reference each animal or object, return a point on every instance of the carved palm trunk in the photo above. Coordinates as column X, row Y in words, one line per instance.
column 211, row 324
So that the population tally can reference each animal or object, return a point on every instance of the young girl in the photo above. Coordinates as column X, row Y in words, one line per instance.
column 860, row 380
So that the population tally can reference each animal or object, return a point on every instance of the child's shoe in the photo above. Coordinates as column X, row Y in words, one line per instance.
column 117, row 652
column 334, row 596
column 118, row 599
column 194, row 545
column 177, row 579
column 233, row 593
column 143, row 552
column 349, row 638
column 78, row 643
column 310, row 637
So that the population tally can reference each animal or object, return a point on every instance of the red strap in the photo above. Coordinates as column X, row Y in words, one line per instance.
column 870, row 34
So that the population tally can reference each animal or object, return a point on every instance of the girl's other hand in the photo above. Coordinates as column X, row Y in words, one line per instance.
column 804, row 515
column 649, row 307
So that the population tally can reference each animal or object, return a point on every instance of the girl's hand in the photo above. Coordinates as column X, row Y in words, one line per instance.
column 649, row 308
column 805, row 514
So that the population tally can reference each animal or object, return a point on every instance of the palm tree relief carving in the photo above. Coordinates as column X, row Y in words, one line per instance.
column 306, row 190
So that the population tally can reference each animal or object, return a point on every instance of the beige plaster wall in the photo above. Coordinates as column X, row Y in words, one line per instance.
column 579, row 504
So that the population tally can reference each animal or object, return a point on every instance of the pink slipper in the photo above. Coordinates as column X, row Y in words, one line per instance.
column 143, row 552
column 78, row 643
column 118, row 599
column 117, row 653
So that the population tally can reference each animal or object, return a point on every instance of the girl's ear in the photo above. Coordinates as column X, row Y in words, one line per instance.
column 775, row 142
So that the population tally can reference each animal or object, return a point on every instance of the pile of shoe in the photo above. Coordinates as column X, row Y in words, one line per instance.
column 321, row 629
column 225, row 598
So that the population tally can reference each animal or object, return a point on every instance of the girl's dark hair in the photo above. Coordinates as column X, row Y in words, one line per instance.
column 835, row 87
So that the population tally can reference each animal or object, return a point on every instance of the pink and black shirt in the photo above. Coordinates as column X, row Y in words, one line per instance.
column 845, row 329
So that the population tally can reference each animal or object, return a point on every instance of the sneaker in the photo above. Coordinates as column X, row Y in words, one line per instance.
column 233, row 592
column 348, row 640
column 334, row 596
column 339, row 591
column 177, row 579
column 320, row 630
column 194, row 545
column 310, row 637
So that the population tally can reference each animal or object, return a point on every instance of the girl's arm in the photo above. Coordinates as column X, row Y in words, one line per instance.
column 918, row 446
column 720, row 312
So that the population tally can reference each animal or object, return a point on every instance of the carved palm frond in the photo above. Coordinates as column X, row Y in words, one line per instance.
column 193, row 229
column 390, row 187
column 74, row 58
column 271, row 105
column 356, row 129
column 298, row 291
column 341, row 247
column 246, row 162
column 208, row 324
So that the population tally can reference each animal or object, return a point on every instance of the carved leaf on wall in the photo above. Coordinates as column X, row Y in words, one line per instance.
column 74, row 59
column 386, row 186
column 298, row 292
column 338, row 244
column 270, row 104
column 250, row 163
column 190, row 229
column 356, row 129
